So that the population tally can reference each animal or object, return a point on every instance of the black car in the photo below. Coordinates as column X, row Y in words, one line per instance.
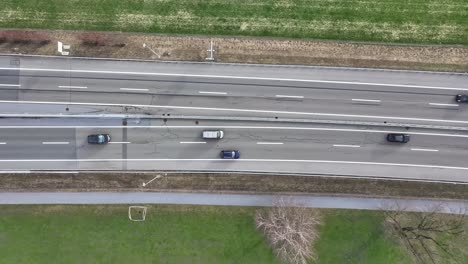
column 99, row 139
column 461, row 98
column 230, row 154
column 399, row 138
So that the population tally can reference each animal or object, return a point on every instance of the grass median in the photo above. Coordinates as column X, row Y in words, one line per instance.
column 415, row 21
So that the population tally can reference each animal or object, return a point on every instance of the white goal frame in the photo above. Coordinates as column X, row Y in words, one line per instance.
column 143, row 216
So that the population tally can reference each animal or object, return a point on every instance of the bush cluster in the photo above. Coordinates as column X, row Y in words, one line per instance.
column 24, row 37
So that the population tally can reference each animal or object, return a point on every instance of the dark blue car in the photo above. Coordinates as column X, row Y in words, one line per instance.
column 99, row 139
column 461, row 98
column 398, row 138
column 230, row 154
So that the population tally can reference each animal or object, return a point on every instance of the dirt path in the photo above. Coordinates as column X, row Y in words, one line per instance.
column 251, row 50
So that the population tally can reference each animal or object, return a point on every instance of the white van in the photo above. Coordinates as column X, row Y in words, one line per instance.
column 217, row 134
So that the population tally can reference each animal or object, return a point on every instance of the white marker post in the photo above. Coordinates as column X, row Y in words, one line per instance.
column 211, row 50
column 155, row 53
column 157, row 177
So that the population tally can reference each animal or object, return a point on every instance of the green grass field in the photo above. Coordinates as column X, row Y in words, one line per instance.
column 411, row 21
column 351, row 236
column 92, row 234
column 175, row 234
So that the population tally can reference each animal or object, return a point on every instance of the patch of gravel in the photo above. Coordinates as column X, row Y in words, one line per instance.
column 257, row 50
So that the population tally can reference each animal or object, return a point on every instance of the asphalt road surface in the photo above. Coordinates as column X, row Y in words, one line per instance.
column 54, row 144
column 101, row 87
column 238, row 90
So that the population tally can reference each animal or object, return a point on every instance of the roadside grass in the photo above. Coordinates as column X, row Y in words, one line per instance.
column 356, row 236
column 104, row 234
column 415, row 21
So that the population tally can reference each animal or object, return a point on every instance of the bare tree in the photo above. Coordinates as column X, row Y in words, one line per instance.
column 426, row 235
column 291, row 229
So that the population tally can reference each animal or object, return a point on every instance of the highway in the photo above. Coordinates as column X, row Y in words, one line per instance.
column 418, row 103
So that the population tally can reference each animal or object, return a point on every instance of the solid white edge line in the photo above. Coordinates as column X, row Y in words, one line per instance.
column 270, row 143
column 192, row 142
column 72, row 87
column 366, row 100
column 347, row 146
column 250, row 127
column 289, row 96
column 428, row 150
column 55, row 143
column 12, row 85
column 134, row 89
column 205, row 92
column 437, row 104
column 236, row 77
column 241, row 110
column 123, row 142
column 250, row 160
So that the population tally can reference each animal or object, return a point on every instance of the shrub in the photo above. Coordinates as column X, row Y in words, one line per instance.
column 24, row 37
column 94, row 39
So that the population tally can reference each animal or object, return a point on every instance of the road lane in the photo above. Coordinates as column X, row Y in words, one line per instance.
column 300, row 150
column 249, row 70
column 178, row 85
column 253, row 107
column 38, row 143
column 335, row 96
